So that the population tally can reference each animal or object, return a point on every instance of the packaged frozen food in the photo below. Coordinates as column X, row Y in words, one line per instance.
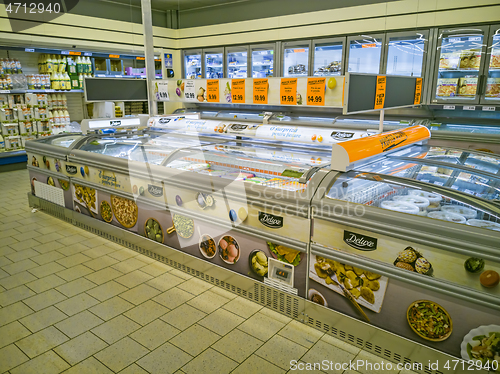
column 463, row 211
column 449, row 60
column 467, row 86
column 400, row 206
column 495, row 59
column 492, row 87
column 432, row 197
column 447, row 87
column 447, row 216
column 470, row 59
column 419, row 201
column 484, row 224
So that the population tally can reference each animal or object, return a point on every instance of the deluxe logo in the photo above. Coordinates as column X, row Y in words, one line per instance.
column 115, row 123
column 238, row 127
column 71, row 169
column 360, row 242
column 342, row 135
column 391, row 141
column 164, row 121
column 270, row 220
column 155, row 190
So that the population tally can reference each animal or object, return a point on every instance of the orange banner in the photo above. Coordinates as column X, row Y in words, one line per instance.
column 418, row 91
column 260, row 87
column 114, row 56
column 380, row 92
column 238, row 91
column 316, row 91
column 288, row 91
column 74, row 53
column 371, row 45
column 213, row 90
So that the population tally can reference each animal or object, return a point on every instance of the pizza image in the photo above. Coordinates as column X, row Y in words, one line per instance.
column 495, row 59
column 125, row 211
column 467, row 86
column 493, row 87
column 447, row 86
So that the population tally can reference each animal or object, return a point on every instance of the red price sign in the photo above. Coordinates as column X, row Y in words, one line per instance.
column 260, row 91
column 380, row 92
column 213, row 90
column 288, row 91
column 316, row 91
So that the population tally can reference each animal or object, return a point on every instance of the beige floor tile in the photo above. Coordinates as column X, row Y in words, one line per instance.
column 237, row 345
column 11, row 356
column 195, row 286
column 307, row 368
column 81, row 347
column 154, row 362
column 104, row 275
column 42, row 341
column 76, row 304
column 49, row 247
column 5, row 249
column 25, row 237
column 4, row 261
column 89, row 366
column 97, row 251
column 183, row 316
column 73, row 260
column 115, row 329
column 12, row 332
column 221, row 321
column 14, row 295
column 140, row 294
column 208, row 301
column 73, row 239
column 75, row 287
column 155, row 334
column 210, row 361
column 370, row 369
column 79, row 323
column 277, row 316
column 146, row 312
column 49, row 237
column 340, row 344
column 73, row 249
column 123, row 254
column 48, row 229
column 43, row 318
column 133, row 279
column 164, row 282
column 301, row 334
column 180, row 274
column 156, row 268
column 148, row 260
column 111, row 308
column 95, row 242
column 74, row 272
column 45, row 283
column 22, row 255
column 261, row 326
column 49, row 362
column 224, row 293
column 257, row 365
column 321, row 351
column 44, row 299
column 13, row 312
column 122, row 353
column 24, row 243
column 16, row 280
column 46, row 269
column 20, row 266
column 107, row 290
column 195, row 339
column 129, row 265
column 133, row 369
column 281, row 351
column 100, row 263
column 172, row 298
column 3, row 274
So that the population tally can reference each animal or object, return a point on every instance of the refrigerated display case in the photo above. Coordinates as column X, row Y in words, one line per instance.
column 365, row 53
column 192, row 64
column 237, row 62
column 296, row 57
column 263, row 60
column 214, row 63
column 406, row 53
column 491, row 93
column 328, row 57
column 460, row 63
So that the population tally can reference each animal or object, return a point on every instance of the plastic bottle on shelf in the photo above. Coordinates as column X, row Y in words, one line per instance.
column 80, row 81
column 55, row 62
column 2, row 143
column 9, row 83
column 67, row 120
column 67, row 80
column 49, row 65
column 79, row 65
column 64, row 101
column 59, row 100
column 55, row 81
column 62, row 64
column 19, row 68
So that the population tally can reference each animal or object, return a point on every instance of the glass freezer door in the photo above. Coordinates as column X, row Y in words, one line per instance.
column 237, row 60
column 492, row 88
column 406, row 53
column 365, row 53
column 192, row 64
column 296, row 59
column 460, row 54
column 214, row 64
column 263, row 61
column 328, row 57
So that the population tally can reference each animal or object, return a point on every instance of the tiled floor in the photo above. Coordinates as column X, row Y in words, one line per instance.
column 76, row 303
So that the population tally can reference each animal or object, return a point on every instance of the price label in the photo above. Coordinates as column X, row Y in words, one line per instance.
column 65, row 52
column 370, row 45
column 418, row 91
column 189, row 90
column 88, row 54
column 438, row 183
column 74, row 53
column 454, row 187
column 161, row 90
column 260, row 91
column 140, row 58
column 449, row 107
column 238, row 91
column 114, row 56
column 29, row 49
column 288, row 91
column 316, row 91
column 469, row 107
column 380, row 92
column 488, row 108
column 213, row 90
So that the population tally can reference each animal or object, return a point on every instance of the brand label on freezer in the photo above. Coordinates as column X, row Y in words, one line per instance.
column 155, row 190
column 71, row 169
column 342, row 135
column 392, row 140
column 360, row 242
column 270, row 220
column 115, row 123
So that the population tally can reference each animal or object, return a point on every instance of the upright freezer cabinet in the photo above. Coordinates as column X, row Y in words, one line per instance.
column 365, row 53
column 328, row 57
column 406, row 53
column 263, row 60
column 192, row 64
column 296, row 58
column 214, row 63
column 237, row 62
column 492, row 87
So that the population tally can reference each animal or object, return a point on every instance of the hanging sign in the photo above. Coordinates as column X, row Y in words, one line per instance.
column 238, row 91
column 380, row 92
column 316, row 91
column 260, row 87
column 161, row 90
column 213, row 90
column 418, row 91
column 288, row 91
column 189, row 90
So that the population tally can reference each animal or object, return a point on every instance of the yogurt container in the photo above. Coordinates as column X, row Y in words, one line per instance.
column 419, row 201
column 400, row 206
column 463, row 211
column 432, row 197
column 447, row 216
column 484, row 224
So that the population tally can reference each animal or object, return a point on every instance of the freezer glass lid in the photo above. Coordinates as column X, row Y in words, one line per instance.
column 271, row 167
column 437, row 193
column 62, row 141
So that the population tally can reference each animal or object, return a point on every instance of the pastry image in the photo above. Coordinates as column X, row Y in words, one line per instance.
column 408, row 255
column 229, row 249
column 183, row 225
column 489, row 278
column 125, row 211
column 405, row 265
column 422, row 266
column 412, row 260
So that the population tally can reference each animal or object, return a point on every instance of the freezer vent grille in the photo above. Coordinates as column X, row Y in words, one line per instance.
column 53, row 209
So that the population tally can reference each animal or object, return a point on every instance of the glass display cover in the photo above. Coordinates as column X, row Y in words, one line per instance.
column 405, row 55
column 328, row 59
column 296, row 61
column 459, row 62
column 364, row 55
column 62, row 141
column 213, row 65
column 493, row 79
column 192, row 66
column 262, row 63
column 237, row 64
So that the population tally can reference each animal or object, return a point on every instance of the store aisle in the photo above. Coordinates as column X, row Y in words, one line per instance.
column 73, row 302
